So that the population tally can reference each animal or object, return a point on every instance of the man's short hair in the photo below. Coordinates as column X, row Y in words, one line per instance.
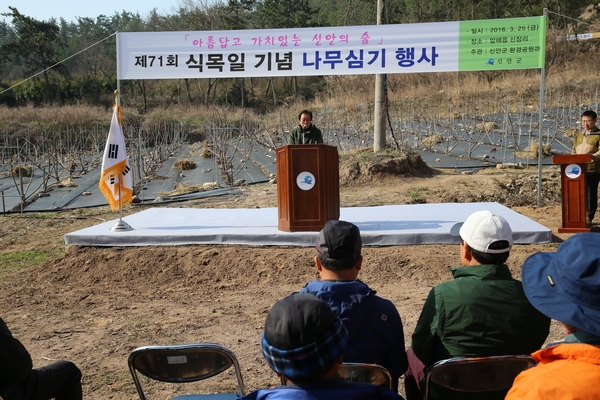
column 303, row 337
column 586, row 113
column 489, row 258
column 488, row 235
column 339, row 245
column 305, row 112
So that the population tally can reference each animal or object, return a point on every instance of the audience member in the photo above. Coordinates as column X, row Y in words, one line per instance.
column 19, row 381
column 375, row 333
column 482, row 312
column 566, row 287
column 306, row 132
column 303, row 341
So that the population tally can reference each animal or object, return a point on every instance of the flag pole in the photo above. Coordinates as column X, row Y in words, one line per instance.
column 121, row 225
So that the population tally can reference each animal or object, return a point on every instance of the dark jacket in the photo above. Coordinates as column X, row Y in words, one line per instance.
column 311, row 135
column 15, row 361
column 331, row 389
column 482, row 312
column 375, row 333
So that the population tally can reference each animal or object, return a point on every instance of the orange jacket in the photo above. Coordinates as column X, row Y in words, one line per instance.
column 568, row 371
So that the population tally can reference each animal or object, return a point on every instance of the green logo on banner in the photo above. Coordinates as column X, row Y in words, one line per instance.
column 497, row 44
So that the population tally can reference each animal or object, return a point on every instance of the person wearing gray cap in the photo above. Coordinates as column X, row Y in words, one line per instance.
column 375, row 332
column 482, row 312
column 303, row 341
column 565, row 286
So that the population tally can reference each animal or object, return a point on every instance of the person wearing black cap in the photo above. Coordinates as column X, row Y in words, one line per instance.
column 303, row 341
column 566, row 287
column 482, row 312
column 19, row 381
column 306, row 132
column 375, row 332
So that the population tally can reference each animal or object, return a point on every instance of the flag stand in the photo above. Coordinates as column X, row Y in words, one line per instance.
column 115, row 168
column 121, row 225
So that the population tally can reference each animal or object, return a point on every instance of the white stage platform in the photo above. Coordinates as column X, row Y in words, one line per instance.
column 379, row 226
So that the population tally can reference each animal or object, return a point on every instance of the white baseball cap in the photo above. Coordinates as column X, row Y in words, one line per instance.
column 481, row 229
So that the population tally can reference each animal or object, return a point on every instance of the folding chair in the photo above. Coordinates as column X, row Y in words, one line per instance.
column 358, row 372
column 369, row 373
column 184, row 363
column 474, row 378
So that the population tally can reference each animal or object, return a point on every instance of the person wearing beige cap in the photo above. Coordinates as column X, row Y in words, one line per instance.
column 482, row 312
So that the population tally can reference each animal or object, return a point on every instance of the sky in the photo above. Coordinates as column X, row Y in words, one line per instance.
column 69, row 10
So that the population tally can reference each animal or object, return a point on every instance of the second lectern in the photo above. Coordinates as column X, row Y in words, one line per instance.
column 574, row 193
column 308, row 193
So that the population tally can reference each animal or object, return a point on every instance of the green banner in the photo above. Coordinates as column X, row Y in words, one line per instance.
column 515, row 43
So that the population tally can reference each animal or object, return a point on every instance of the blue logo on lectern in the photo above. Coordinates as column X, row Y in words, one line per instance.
column 573, row 171
column 305, row 180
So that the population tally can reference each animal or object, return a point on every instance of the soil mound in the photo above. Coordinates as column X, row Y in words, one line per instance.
column 358, row 168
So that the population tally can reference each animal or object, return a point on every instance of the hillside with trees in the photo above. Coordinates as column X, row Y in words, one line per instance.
column 74, row 62
column 57, row 80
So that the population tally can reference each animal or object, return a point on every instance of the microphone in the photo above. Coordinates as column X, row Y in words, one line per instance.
column 304, row 128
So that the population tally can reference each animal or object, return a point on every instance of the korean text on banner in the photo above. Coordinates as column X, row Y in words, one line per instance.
column 499, row 44
column 115, row 180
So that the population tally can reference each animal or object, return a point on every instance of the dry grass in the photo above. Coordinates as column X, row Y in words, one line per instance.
column 206, row 152
column 26, row 171
column 186, row 188
column 532, row 150
column 431, row 140
column 65, row 115
column 486, row 126
column 348, row 101
column 572, row 132
column 184, row 165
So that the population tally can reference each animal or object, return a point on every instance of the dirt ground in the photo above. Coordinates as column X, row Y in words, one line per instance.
column 94, row 305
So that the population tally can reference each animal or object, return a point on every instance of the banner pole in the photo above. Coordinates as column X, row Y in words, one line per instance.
column 541, row 121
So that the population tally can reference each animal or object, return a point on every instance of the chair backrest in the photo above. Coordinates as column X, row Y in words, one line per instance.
column 369, row 373
column 182, row 363
column 359, row 372
column 476, row 375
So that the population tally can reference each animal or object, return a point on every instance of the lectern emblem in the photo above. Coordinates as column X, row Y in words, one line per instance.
column 305, row 180
column 573, row 171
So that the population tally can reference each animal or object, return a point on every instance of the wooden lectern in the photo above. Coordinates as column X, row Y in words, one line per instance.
column 574, row 193
column 308, row 193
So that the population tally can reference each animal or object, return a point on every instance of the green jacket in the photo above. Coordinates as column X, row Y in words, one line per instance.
column 589, row 144
column 299, row 135
column 482, row 312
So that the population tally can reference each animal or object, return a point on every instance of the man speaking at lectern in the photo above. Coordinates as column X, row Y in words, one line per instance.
column 305, row 132
column 586, row 142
